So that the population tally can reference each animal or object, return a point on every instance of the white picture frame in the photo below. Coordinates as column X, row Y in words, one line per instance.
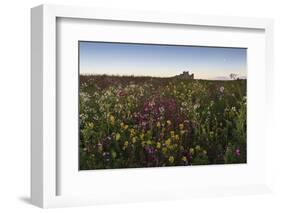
column 45, row 167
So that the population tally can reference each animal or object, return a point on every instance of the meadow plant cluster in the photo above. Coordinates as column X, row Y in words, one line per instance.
column 134, row 122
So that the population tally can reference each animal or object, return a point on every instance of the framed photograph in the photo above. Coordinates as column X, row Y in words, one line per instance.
column 139, row 109
column 129, row 106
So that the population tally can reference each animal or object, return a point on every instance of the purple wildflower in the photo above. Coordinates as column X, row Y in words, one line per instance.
column 237, row 152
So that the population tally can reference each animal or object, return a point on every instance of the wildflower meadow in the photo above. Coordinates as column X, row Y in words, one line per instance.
column 136, row 122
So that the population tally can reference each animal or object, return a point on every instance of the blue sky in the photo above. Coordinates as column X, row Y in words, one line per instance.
column 161, row 60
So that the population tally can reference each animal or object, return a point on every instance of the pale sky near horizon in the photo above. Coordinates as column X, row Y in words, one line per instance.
column 161, row 60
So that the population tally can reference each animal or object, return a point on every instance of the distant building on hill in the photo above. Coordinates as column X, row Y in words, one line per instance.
column 185, row 75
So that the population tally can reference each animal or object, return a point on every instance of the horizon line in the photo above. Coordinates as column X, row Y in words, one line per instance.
column 218, row 78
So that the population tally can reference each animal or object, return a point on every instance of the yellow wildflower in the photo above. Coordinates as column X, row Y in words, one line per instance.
column 126, row 126
column 141, row 136
column 197, row 148
column 134, row 140
column 125, row 145
column 158, row 145
column 172, row 133
column 158, row 124
column 191, row 151
column 171, row 159
column 122, row 125
column 90, row 125
column 177, row 137
column 184, row 159
column 112, row 119
column 132, row 132
column 168, row 142
column 164, row 150
column 117, row 137
column 181, row 126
